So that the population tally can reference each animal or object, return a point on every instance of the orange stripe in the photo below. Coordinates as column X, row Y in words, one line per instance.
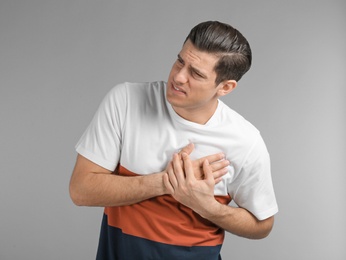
column 163, row 219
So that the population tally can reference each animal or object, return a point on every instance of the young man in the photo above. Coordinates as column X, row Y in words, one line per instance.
column 166, row 159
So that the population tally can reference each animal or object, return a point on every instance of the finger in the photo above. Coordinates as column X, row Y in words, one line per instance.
column 187, row 149
column 171, row 175
column 217, row 180
column 207, row 171
column 217, row 175
column 168, row 184
column 178, row 169
column 188, row 166
column 219, row 165
column 213, row 158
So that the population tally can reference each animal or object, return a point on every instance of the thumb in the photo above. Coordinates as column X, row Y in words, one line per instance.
column 187, row 149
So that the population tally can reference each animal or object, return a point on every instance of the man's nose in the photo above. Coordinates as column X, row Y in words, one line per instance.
column 181, row 76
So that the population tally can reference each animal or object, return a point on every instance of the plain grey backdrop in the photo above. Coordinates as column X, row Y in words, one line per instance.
column 59, row 58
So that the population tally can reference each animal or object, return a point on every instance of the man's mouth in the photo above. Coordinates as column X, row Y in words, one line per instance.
column 178, row 89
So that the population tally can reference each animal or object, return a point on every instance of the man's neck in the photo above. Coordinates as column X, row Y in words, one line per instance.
column 199, row 115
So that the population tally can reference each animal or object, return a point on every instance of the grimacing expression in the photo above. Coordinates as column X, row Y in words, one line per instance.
column 191, row 84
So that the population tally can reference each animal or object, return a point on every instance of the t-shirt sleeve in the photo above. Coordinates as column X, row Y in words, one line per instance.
column 253, row 188
column 100, row 143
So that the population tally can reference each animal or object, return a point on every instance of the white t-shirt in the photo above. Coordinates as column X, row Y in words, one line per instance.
column 137, row 128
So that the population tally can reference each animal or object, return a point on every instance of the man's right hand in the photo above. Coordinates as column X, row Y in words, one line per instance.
column 217, row 162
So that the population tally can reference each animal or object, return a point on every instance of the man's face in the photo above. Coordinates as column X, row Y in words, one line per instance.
column 191, row 88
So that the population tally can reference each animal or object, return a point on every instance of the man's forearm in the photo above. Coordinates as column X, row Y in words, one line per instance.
column 199, row 196
column 238, row 221
column 114, row 190
column 92, row 185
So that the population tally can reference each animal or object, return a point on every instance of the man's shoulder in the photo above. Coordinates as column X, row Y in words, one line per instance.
column 237, row 125
column 143, row 85
column 139, row 95
column 236, row 118
column 132, row 90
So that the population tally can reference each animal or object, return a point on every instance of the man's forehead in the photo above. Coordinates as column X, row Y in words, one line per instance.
column 200, row 59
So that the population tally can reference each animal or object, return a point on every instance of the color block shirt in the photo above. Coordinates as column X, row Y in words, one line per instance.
column 136, row 131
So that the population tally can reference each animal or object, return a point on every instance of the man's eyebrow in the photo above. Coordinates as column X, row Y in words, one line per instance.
column 193, row 69
column 180, row 58
column 198, row 72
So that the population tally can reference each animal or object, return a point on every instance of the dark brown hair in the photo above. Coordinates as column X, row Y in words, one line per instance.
column 225, row 42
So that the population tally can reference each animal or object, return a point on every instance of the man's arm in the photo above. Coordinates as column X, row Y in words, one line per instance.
column 93, row 185
column 199, row 196
column 238, row 221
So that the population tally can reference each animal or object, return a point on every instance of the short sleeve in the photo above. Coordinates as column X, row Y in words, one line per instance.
column 101, row 141
column 253, row 188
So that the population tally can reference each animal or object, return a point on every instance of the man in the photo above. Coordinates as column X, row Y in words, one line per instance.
column 166, row 159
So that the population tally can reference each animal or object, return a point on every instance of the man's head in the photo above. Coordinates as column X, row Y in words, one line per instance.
column 228, row 44
column 213, row 58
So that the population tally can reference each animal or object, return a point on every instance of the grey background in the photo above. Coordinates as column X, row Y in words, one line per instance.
column 59, row 58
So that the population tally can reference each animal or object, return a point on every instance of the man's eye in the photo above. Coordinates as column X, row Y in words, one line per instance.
column 196, row 74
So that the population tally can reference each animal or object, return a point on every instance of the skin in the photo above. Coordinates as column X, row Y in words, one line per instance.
column 191, row 88
column 199, row 196
column 93, row 185
column 193, row 94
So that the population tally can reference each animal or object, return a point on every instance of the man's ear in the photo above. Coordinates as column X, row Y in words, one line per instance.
column 226, row 87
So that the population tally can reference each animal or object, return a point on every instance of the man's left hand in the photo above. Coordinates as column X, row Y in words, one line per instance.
column 182, row 184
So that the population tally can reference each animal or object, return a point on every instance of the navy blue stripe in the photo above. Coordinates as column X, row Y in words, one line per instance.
column 114, row 245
